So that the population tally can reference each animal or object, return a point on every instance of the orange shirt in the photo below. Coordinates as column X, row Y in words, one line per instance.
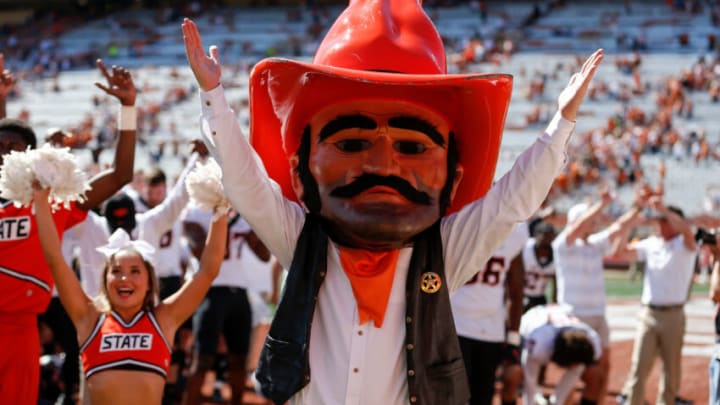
column 25, row 280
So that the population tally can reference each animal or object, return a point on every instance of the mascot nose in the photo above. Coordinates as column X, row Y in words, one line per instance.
column 381, row 158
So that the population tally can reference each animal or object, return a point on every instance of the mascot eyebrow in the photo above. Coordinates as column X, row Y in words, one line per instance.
column 342, row 122
column 418, row 124
column 364, row 122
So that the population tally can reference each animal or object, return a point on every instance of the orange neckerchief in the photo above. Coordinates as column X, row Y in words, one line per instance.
column 371, row 276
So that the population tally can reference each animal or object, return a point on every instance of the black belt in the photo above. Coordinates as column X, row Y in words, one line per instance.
column 664, row 307
column 227, row 288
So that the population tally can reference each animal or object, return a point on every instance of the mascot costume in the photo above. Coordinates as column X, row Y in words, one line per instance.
column 367, row 174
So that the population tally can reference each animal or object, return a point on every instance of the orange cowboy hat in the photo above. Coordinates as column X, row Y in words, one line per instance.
column 379, row 49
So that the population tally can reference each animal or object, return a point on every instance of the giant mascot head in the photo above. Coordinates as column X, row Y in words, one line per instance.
column 374, row 136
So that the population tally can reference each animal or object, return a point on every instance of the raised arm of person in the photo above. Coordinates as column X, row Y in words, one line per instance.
column 620, row 247
column 573, row 94
column 276, row 220
column 163, row 216
column 105, row 184
column 680, row 224
column 707, row 221
column 620, row 229
column 206, row 68
column 519, row 193
column 78, row 305
column 579, row 227
column 7, row 82
column 175, row 309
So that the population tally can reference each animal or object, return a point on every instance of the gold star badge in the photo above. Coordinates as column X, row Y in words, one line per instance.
column 430, row 283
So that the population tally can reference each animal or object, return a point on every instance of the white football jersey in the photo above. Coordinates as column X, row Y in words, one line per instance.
column 537, row 274
column 478, row 306
column 240, row 267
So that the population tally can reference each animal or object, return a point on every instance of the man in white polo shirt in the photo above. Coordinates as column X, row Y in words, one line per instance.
column 669, row 264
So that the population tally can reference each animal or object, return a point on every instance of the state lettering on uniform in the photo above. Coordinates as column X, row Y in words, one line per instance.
column 14, row 228
column 125, row 341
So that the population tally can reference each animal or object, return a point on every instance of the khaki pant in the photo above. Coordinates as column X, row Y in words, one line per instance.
column 660, row 332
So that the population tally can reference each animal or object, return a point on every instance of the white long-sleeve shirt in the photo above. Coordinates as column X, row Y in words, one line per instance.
column 362, row 364
column 160, row 226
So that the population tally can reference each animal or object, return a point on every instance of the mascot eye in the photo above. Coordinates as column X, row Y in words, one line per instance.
column 353, row 145
column 409, row 147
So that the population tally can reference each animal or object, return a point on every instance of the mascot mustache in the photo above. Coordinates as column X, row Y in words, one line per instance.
column 367, row 181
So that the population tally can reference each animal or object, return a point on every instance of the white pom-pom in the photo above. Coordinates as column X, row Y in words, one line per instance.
column 55, row 168
column 16, row 177
column 59, row 170
column 204, row 185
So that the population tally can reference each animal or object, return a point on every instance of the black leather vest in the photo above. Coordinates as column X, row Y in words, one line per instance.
column 435, row 368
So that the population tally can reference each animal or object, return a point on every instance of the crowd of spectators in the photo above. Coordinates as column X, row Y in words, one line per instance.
column 612, row 151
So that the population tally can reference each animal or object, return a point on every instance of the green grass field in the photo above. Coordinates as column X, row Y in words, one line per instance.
column 620, row 283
